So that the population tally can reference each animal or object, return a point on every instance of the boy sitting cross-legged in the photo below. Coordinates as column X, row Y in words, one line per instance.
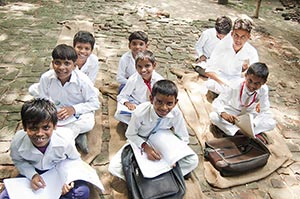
column 159, row 116
column 87, row 62
column 138, row 42
column 242, row 98
column 138, row 87
column 73, row 93
column 231, row 57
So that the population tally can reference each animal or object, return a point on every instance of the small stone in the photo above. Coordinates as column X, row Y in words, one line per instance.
column 277, row 183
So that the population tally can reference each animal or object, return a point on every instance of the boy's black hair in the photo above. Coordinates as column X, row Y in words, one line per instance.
column 165, row 87
column 147, row 54
column 242, row 24
column 36, row 111
column 84, row 37
column 223, row 25
column 64, row 52
column 258, row 69
column 140, row 35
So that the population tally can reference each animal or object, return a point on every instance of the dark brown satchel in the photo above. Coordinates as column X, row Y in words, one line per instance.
column 236, row 155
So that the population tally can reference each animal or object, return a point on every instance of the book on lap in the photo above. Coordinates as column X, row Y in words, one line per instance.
column 123, row 109
column 64, row 173
column 66, row 121
column 169, row 146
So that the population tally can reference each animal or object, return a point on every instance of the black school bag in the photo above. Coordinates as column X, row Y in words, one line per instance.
column 169, row 185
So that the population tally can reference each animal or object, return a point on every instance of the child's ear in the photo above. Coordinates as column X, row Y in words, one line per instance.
column 154, row 64
column 264, row 82
column 151, row 99
column 176, row 101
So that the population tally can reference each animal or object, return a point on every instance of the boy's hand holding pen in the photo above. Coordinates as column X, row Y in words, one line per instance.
column 37, row 182
column 152, row 154
column 66, row 188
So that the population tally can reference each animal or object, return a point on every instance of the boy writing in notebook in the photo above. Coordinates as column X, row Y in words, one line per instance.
column 73, row 93
column 138, row 86
column 159, row 115
column 241, row 99
column 38, row 148
column 138, row 42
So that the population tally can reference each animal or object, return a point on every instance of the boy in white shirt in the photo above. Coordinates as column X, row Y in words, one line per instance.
column 231, row 57
column 138, row 42
column 39, row 147
column 87, row 62
column 157, row 116
column 72, row 92
column 233, row 102
column 209, row 39
column 83, row 43
column 138, row 87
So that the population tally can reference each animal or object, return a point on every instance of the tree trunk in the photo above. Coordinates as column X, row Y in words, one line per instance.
column 224, row 2
column 258, row 3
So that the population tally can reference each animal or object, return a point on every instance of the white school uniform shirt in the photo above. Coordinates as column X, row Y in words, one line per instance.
column 230, row 101
column 226, row 63
column 91, row 67
column 27, row 157
column 144, row 120
column 79, row 92
column 136, row 91
column 126, row 67
column 206, row 42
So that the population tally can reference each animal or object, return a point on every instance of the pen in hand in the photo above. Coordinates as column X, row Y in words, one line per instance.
column 37, row 182
column 152, row 154
column 66, row 188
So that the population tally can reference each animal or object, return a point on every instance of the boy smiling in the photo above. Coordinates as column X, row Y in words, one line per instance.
column 72, row 92
column 242, row 99
column 38, row 148
column 231, row 57
column 138, row 42
column 138, row 86
column 87, row 62
column 159, row 115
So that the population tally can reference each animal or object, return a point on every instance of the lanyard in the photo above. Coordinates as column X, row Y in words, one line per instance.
column 253, row 100
column 148, row 84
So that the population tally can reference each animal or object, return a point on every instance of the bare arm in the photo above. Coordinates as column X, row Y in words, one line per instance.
column 215, row 77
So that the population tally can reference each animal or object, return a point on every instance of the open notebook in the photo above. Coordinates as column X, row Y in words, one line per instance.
column 169, row 146
column 65, row 172
column 245, row 123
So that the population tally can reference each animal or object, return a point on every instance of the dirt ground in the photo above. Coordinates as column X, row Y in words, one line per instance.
column 276, row 39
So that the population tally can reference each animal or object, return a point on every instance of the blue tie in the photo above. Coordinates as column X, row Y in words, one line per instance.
column 156, row 126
